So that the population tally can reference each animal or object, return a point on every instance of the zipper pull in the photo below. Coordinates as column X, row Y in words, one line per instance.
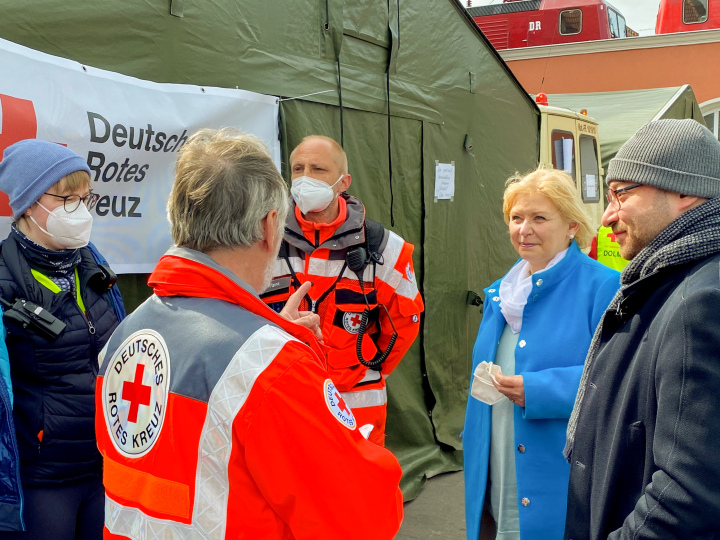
column 91, row 327
column 312, row 306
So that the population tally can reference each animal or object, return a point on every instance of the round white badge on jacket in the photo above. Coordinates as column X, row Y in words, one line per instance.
column 351, row 322
column 135, row 392
column 337, row 405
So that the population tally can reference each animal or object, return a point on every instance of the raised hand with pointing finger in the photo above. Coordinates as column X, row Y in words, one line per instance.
column 308, row 319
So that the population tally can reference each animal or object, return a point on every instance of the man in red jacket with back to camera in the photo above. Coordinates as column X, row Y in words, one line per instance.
column 216, row 416
column 363, row 283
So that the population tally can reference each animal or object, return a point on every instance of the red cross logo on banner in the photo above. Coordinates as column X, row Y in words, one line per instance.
column 18, row 123
column 136, row 393
column 611, row 236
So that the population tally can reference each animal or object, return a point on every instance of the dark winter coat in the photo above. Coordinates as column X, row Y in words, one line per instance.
column 54, row 381
column 645, row 462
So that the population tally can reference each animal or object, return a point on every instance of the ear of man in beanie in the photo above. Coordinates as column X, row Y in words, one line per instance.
column 675, row 155
column 30, row 167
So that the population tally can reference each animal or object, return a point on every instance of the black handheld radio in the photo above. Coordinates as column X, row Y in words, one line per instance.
column 357, row 259
column 37, row 318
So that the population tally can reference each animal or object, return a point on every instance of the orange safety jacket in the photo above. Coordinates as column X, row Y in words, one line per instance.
column 317, row 252
column 216, row 419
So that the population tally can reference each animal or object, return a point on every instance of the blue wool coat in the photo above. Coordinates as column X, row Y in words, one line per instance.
column 564, row 307
column 11, row 497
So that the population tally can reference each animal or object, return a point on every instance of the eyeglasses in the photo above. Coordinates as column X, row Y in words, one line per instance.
column 72, row 202
column 613, row 195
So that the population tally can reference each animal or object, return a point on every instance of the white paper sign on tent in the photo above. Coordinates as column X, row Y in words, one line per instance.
column 444, row 180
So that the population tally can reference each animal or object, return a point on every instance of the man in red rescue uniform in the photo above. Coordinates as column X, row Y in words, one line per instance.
column 216, row 417
column 325, row 233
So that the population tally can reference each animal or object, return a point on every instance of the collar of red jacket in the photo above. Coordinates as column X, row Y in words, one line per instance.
column 326, row 230
column 340, row 234
column 186, row 272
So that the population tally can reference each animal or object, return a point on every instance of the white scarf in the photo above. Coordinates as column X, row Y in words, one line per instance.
column 515, row 289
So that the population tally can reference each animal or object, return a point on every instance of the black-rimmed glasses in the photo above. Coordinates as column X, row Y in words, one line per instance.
column 613, row 194
column 72, row 202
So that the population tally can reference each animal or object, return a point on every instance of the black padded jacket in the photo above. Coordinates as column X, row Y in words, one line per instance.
column 54, row 381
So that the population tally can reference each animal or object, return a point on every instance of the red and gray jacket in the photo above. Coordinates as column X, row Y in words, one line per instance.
column 216, row 418
column 317, row 253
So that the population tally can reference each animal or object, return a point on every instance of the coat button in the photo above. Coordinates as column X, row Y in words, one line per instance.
column 522, row 343
column 491, row 290
column 539, row 282
column 496, row 298
column 521, row 448
column 525, row 501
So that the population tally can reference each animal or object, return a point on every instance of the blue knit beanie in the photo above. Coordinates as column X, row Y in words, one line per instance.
column 30, row 167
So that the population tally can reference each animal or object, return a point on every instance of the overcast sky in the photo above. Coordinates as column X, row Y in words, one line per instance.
column 639, row 14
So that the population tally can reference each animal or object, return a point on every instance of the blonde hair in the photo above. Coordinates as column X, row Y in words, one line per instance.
column 71, row 182
column 339, row 155
column 560, row 188
column 225, row 185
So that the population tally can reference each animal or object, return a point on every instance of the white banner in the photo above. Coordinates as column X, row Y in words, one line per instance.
column 129, row 130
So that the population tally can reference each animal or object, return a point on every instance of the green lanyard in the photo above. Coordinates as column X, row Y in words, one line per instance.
column 50, row 284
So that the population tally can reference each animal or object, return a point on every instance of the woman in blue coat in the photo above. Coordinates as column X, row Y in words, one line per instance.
column 537, row 326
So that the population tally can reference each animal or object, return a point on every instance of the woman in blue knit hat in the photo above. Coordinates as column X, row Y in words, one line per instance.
column 46, row 260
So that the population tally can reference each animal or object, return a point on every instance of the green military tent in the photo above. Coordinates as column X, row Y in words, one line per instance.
column 403, row 84
column 621, row 114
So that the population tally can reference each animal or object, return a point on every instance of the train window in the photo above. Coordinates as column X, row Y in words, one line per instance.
column 590, row 170
column 613, row 23
column 695, row 11
column 563, row 151
column 570, row 22
column 622, row 26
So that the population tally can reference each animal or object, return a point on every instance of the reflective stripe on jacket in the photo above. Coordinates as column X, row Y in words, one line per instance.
column 231, row 428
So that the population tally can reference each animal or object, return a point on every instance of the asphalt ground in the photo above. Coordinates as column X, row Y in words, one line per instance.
column 438, row 512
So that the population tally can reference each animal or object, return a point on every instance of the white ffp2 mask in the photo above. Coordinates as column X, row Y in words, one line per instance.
column 312, row 195
column 482, row 387
column 69, row 230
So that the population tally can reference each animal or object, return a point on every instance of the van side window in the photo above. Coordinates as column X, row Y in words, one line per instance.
column 570, row 22
column 589, row 170
column 563, row 151
column 695, row 11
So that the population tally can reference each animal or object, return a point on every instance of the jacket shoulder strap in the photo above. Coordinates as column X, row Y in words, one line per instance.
column 376, row 236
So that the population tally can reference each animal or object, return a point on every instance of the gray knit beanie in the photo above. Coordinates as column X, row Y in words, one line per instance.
column 30, row 167
column 682, row 156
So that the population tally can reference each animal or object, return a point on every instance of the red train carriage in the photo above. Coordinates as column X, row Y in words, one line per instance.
column 687, row 16
column 529, row 23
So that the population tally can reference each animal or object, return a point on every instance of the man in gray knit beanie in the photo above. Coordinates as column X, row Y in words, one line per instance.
column 643, row 436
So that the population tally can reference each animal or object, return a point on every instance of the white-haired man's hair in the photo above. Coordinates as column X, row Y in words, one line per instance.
column 225, row 184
